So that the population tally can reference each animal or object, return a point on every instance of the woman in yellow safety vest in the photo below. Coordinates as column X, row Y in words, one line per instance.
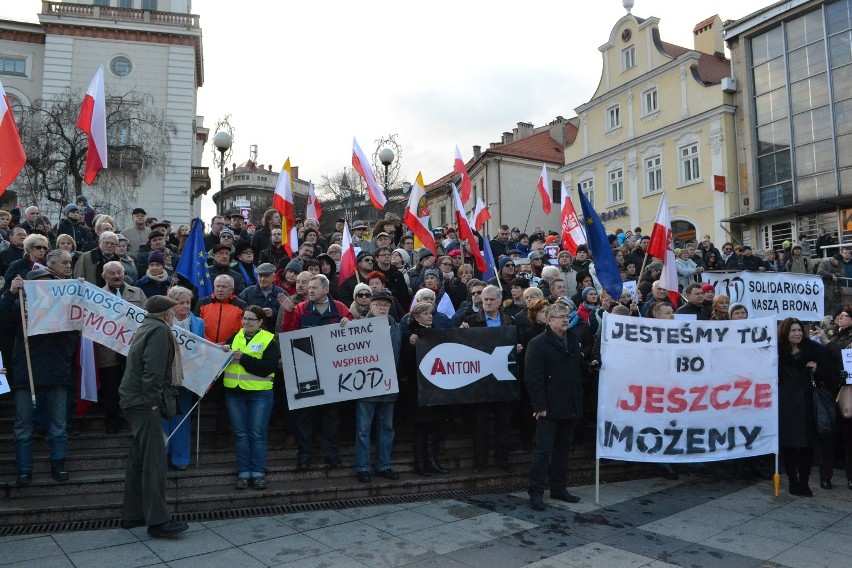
column 248, row 395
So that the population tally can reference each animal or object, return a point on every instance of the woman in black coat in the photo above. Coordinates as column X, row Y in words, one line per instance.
column 426, row 419
column 800, row 360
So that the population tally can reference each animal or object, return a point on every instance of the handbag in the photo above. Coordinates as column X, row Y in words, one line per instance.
column 825, row 411
column 844, row 401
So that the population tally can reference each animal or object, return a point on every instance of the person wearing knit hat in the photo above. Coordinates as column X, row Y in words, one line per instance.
column 737, row 311
column 432, row 280
column 401, row 259
column 72, row 224
column 709, row 293
column 156, row 281
column 361, row 304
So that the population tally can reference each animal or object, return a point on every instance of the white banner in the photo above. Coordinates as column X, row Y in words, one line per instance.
column 331, row 363
column 687, row 391
column 69, row 305
column 768, row 294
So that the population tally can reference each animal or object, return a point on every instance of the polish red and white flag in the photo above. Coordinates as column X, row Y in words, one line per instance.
column 347, row 255
column 480, row 214
column 546, row 203
column 417, row 216
column 92, row 121
column 314, row 209
column 662, row 247
column 362, row 166
column 465, row 233
column 460, row 168
column 12, row 156
column 282, row 201
column 572, row 233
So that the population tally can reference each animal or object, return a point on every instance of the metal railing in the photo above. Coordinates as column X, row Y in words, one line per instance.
column 63, row 9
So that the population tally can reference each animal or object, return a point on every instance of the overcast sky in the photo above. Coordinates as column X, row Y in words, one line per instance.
column 301, row 78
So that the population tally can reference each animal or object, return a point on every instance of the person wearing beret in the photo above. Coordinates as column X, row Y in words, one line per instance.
column 147, row 394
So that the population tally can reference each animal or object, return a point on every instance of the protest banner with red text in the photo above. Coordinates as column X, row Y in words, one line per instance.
column 687, row 391
column 333, row 363
column 67, row 305
column 463, row 366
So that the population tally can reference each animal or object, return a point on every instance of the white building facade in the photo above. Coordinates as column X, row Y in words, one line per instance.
column 149, row 47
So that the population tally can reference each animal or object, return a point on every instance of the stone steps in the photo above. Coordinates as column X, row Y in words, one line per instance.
column 97, row 463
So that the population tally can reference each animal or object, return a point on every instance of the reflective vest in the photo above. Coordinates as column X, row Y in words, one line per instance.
column 235, row 375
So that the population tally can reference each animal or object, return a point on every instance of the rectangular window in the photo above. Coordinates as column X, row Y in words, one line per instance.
column 588, row 188
column 616, row 186
column 613, row 117
column 690, row 169
column 649, row 102
column 443, row 215
column 653, row 174
column 125, row 3
column 628, row 58
column 13, row 65
column 556, row 190
column 149, row 5
column 102, row 3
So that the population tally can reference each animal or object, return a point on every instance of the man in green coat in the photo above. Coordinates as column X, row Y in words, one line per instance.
column 145, row 386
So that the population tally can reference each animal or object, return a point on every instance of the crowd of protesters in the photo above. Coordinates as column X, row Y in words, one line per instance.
column 550, row 297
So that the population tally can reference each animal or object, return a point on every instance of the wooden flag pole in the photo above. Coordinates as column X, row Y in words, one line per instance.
column 27, row 345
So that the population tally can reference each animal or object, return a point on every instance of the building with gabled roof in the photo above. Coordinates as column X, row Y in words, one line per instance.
column 505, row 176
column 661, row 120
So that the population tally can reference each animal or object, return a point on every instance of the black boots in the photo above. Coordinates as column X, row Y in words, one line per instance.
column 432, row 464
column 419, row 448
column 57, row 470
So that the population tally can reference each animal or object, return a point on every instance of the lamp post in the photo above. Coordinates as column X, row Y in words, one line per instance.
column 386, row 157
column 222, row 141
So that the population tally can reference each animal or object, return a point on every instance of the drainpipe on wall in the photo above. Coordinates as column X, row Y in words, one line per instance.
column 499, row 192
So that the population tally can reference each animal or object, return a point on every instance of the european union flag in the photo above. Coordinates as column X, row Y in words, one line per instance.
column 606, row 269
column 491, row 271
column 193, row 262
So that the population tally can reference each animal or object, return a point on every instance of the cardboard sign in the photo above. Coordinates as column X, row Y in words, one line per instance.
column 330, row 363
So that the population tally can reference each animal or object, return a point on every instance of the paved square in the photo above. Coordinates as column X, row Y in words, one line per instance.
column 696, row 522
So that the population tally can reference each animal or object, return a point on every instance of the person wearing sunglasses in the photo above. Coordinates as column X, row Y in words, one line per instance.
column 360, row 307
column 35, row 250
column 365, row 263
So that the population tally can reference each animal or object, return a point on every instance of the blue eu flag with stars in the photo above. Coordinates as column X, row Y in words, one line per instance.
column 193, row 262
column 606, row 269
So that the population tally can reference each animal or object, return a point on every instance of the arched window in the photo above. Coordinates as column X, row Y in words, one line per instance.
column 17, row 108
column 683, row 232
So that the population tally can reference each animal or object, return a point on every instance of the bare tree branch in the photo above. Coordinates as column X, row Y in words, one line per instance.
column 138, row 144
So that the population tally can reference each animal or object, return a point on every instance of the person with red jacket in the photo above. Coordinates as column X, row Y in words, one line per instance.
column 318, row 309
column 223, row 317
